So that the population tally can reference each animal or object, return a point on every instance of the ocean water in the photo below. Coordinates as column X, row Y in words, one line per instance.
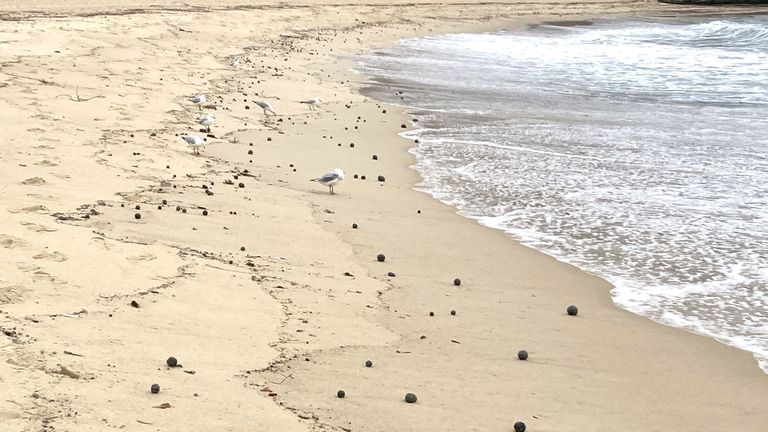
column 634, row 149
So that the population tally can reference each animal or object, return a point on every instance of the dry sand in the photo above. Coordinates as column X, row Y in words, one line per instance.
column 91, row 108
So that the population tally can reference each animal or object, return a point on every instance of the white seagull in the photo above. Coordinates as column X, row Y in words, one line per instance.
column 206, row 120
column 311, row 103
column 199, row 100
column 194, row 142
column 330, row 179
column 266, row 106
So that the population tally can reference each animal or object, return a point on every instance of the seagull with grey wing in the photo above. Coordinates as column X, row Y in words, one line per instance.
column 199, row 100
column 266, row 106
column 311, row 103
column 206, row 120
column 194, row 142
column 330, row 179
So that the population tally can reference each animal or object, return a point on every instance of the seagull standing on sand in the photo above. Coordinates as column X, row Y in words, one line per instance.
column 330, row 179
column 194, row 142
column 266, row 106
column 312, row 103
column 199, row 100
column 207, row 120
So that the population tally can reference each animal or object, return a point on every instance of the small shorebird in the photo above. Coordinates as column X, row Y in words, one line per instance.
column 266, row 106
column 199, row 100
column 194, row 142
column 206, row 120
column 330, row 179
column 312, row 103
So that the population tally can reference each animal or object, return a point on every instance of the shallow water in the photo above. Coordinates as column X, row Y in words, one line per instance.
column 637, row 150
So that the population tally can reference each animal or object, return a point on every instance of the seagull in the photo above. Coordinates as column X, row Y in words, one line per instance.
column 207, row 120
column 194, row 142
column 312, row 103
column 199, row 100
column 330, row 179
column 266, row 106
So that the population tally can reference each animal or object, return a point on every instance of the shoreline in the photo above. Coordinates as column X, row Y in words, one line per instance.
column 303, row 327
column 369, row 90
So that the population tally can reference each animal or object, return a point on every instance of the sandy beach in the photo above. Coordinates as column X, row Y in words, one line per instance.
column 121, row 248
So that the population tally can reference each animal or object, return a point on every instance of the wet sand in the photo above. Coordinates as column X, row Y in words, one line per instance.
column 271, row 301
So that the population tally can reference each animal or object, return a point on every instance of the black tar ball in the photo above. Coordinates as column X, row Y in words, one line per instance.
column 431, row 314
column 362, row 177
column 381, row 257
column 355, row 176
column 134, row 303
column 375, row 157
column 410, row 398
column 205, row 212
column 453, row 312
column 138, row 207
column 391, row 274
column 572, row 310
column 242, row 248
column 368, row 363
column 172, row 362
column 241, row 185
column 165, row 202
column 457, row 282
column 340, row 394
column 403, row 126
column 519, row 427
column 137, row 215
column 522, row 355
column 250, row 151
column 354, row 225
column 155, row 388
column 381, row 178
column 416, row 141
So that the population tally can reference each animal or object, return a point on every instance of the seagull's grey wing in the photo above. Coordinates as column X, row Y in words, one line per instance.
column 328, row 177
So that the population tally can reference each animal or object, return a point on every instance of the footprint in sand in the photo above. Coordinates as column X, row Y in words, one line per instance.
column 12, row 294
column 34, row 181
column 10, row 242
column 55, row 256
column 37, row 227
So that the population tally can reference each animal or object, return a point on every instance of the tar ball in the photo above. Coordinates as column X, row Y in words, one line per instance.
column 340, row 394
column 138, row 207
column 205, row 212
column 457, row 282
column 137, row 215
column 410, row 398
column 375, row 157
column 453, row 312
column 381, row 257
column 241, row 185
column 519, row 427
column 362, row 177
column 354, row 226
column 572, row 310
column 391, row 274
column 522, row 355
column 172, row 362
column 165, row 202
column 431, row 314
column 250, row 152
column 155, row 388
column 403, row 126
column 368, row 363
column 381, row 178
